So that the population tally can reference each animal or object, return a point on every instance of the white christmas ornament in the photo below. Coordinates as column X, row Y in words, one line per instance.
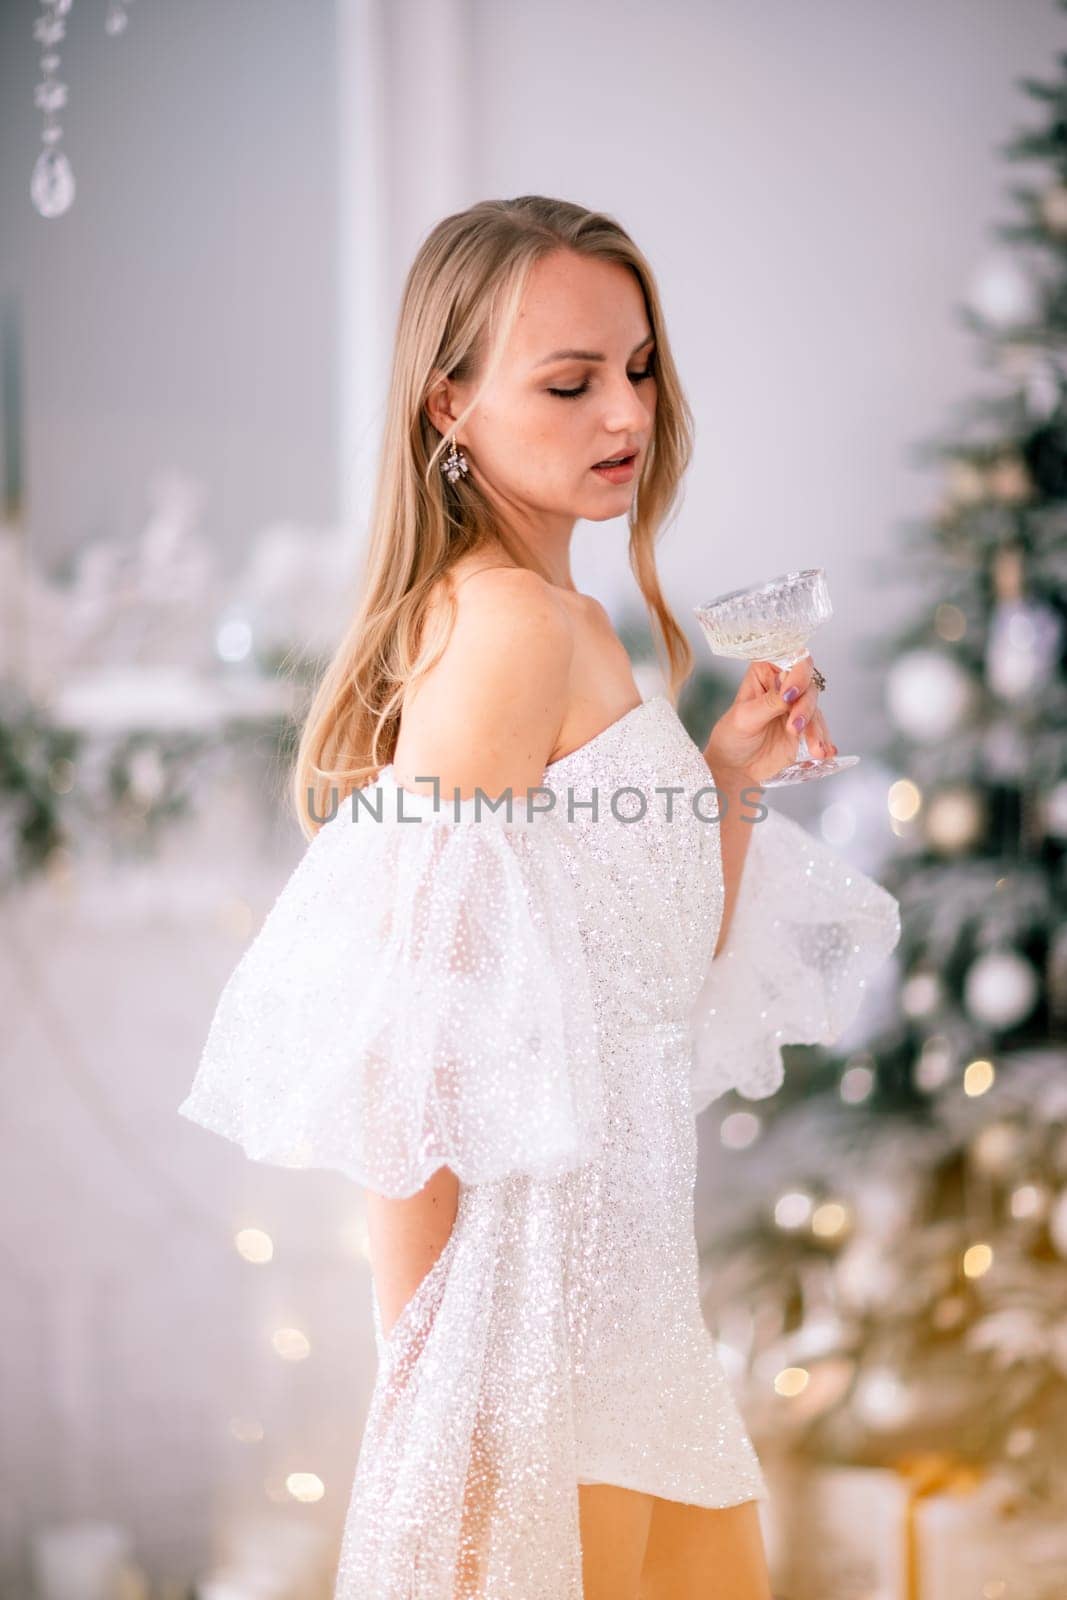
column 864, row 1275
column 882, row 1398
column 928, row 694
column 1024, row 646
column 1002, row 294
column 921, row 994
column 1000, row 989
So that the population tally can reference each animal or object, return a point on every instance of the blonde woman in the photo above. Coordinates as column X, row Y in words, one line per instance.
column 501, row 1019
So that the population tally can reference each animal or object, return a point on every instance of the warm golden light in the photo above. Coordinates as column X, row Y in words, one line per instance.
column 977, row 1260
column 829, row 1219
column 905, row 800
column 791, row 1380
column 978, row 1077
column 254, row 1245
column 305, row 1487
column 291, row 1344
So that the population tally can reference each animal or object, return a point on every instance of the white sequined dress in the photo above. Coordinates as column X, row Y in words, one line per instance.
column 534, row 1003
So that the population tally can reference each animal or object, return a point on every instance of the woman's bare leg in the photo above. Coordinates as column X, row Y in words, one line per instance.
column 696, row 1553
column 614, row 1526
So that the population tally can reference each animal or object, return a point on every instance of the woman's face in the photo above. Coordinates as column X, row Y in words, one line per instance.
column 575, row 387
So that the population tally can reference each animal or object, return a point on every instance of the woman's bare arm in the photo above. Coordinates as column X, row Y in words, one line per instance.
column 488, row 716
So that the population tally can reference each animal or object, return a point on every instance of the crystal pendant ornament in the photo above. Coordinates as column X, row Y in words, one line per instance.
column 52, row 183
column 116, row 19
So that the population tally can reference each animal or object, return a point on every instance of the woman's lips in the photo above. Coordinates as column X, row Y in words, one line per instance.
column 620, row 474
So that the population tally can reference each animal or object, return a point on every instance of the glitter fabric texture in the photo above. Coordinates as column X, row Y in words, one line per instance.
column 533, row 1002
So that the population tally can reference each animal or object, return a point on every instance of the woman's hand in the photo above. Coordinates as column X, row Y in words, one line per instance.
column 758, row 735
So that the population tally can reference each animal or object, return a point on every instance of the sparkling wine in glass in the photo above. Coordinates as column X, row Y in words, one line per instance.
column 773, row 621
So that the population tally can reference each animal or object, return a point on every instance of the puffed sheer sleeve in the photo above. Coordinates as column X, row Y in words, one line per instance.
column 418, row 996
column 808, row 930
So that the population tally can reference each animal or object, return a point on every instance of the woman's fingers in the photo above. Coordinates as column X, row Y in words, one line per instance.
column 806, row 705
column 818, row 736
column 801, row 676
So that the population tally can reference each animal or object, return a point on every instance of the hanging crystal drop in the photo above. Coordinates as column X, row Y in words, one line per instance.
column 52, row 183
column 48, row 30
column 50, row 96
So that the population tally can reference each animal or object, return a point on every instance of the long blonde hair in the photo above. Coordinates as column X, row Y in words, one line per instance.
column 459, row 302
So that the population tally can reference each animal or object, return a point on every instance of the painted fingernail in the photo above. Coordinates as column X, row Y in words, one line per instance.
column 798, row 723
column 791, row 694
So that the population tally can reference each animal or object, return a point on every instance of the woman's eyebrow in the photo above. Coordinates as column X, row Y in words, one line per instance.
column 590, row 355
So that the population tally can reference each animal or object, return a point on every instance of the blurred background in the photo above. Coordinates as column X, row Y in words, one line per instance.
column 858, row 217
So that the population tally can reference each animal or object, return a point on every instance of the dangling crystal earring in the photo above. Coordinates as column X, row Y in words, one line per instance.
column 454, row 465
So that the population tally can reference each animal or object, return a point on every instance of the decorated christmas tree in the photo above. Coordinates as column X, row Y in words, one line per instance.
column 895, row 1286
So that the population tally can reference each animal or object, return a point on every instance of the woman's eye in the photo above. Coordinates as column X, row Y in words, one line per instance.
column 572, row 394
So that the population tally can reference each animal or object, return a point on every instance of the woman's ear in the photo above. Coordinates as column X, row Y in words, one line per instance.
column 438, row 405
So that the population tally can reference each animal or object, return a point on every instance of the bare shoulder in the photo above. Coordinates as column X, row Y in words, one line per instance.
column 490, row 711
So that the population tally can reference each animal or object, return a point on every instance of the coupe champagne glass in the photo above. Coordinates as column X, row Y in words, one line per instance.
column 773, row 621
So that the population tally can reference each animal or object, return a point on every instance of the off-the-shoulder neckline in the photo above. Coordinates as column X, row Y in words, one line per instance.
column 580, row 749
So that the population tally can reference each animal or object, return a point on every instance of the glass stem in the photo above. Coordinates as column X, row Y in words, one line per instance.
column 803, row 753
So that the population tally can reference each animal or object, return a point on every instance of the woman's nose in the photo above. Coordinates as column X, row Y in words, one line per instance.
column 625, row 409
